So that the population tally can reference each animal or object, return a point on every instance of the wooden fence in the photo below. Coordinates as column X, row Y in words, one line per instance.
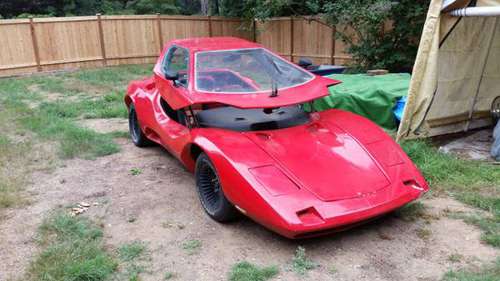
column 44, row 44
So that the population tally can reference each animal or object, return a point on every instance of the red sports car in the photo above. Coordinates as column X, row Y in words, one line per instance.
column 232, row 112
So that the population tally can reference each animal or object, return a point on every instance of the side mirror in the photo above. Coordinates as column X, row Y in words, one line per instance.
column 169, row 75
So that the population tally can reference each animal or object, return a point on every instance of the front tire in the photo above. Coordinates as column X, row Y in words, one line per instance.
column 210, row 191
column 135, row 131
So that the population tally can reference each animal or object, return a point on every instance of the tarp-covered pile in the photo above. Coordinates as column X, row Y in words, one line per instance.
column 371, row 96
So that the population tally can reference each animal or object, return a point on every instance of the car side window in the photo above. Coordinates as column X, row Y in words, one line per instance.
column 177, row 61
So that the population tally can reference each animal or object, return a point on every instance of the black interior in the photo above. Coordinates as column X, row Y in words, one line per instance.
column 238, row 119
column 178, row 116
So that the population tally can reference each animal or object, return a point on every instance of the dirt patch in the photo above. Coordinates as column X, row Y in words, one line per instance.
column 475, row 146
column 105, row 125
column 159, row 206
column 49, row 96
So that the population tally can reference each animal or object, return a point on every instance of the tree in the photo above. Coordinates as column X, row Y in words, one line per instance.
column 373, row 47
column 154, row 6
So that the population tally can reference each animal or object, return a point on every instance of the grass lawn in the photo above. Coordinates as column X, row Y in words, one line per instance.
column 472, row 182
column 44, row 111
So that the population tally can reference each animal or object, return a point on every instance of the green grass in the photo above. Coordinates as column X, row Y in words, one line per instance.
column 446, row 171
column 411, row 212
column 192, row 246
column 168, row 275
column 133, row 257
column 55, row 120
column 423, row 233
column 49, row 106
column 455, row 258
column 10, row 183
column 135, row 171
column 72, row 249
column 488, row 273
column 245, row 271
column 108, row 106
column 301, row 264
column 113, row 77
column 490, row 225
column 73, row 140
column 472, row 182
column 131, row 251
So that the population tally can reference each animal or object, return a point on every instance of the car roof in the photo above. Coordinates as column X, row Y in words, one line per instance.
column 214, row 43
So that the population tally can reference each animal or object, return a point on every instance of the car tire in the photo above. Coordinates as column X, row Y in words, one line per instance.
column 210, row 192
column 135, row 131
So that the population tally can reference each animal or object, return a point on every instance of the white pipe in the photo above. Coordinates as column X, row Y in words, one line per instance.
column 476, row 12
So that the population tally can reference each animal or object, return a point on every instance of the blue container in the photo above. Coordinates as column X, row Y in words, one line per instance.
column 399, row 108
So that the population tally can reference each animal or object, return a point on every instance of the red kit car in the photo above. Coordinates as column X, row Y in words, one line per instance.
column 231, row 111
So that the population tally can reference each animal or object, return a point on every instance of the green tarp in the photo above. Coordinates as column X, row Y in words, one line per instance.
column 371, row 96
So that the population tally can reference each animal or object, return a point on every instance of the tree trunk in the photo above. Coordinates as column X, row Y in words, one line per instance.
column 205, row 4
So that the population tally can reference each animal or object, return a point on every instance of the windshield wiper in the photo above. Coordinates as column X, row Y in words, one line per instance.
column 274, row 89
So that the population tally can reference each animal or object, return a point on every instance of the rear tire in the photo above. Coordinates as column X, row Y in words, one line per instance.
column 136, row 134
column 210, row 191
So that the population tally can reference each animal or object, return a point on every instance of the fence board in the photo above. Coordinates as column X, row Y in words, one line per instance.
column 16, row 49
column 76, row 42
column 180, row 29
column 315, row 41
column 125, row 39
column 275, row 35
column 61, row 42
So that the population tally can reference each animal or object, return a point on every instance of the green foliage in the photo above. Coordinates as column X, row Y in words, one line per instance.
column 72, row 250
column 447, row 171
column 74, row 141
column 301, row 264
column 108, row 106
column 51, row 8
column 490, row 225
column 132, row 255
column 411, row 212
column 168, row 275
column 192, row 246
column 373, row 46
column 154, row 6
column 135, row 171
column 49, row 106
column 487, row 273
column 245, row 271
column 11, row 171
column 471, row 182
column 129, row 252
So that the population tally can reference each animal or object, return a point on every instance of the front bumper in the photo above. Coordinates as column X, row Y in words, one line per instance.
column 331, row 220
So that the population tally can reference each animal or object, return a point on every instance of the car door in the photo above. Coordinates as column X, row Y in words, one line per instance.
column 172, row 130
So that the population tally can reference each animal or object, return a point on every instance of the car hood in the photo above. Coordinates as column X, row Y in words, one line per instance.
column 323, row 159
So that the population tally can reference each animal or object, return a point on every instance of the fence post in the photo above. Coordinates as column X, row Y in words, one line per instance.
column 36, row 51
column 160, row 32
column 101, row 40
column 291, row 39
column 209, row 26
column 334, row 35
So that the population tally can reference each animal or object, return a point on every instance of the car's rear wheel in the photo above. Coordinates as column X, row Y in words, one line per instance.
column 136, row 134
column 210, row 191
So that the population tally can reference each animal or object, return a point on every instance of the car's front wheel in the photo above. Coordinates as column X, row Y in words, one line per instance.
column 136, row 134
column 210, row 191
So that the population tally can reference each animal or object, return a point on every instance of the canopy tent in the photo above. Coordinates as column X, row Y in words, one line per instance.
column 456, row 75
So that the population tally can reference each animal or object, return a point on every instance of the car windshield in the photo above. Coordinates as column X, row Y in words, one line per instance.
column 245, row 71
